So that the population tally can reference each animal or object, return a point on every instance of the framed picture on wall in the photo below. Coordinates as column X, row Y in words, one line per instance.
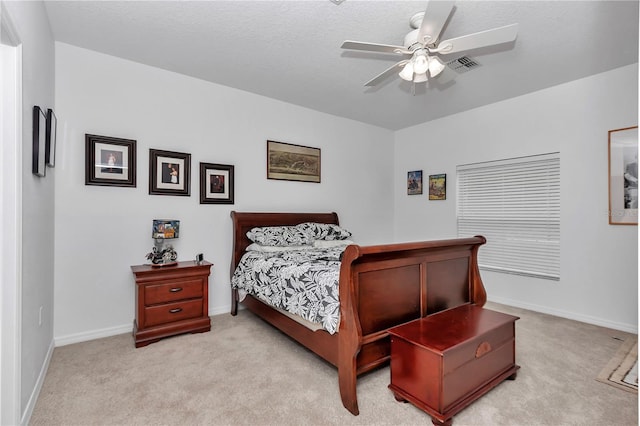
column 293, row 162
column 169, row 173
column 216, row 183
column 623, row 176
column 110, row 161
column 438, row 187
column 414, row 182
column 39, row 142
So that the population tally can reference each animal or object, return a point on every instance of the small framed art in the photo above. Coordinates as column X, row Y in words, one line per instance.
column 438, row 187
column 110, row 161
column 216, row 183
column 623, row 176
column 169, row 173
column 293, row 162
column 39, row 142
column 414, row 182
column 50, row 150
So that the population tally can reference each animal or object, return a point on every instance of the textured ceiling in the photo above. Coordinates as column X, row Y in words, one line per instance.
column 290, row 50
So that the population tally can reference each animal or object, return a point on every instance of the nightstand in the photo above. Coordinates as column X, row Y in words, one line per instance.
column 171, row 300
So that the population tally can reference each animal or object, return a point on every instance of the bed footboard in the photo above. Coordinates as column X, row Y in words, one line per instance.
column 387, row 285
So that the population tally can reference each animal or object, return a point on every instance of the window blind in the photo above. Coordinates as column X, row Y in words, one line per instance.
column 515, row 204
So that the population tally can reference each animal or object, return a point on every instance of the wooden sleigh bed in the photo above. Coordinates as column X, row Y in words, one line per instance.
column 380, row 287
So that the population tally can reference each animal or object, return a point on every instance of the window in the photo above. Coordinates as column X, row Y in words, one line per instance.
column 515, row 205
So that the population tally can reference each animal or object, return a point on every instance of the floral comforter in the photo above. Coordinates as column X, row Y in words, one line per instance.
column 302, row 282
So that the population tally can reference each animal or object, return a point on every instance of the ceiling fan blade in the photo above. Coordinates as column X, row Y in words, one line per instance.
column 482, row 39
column 372, row 47
column 435, row 16
column 384, row 74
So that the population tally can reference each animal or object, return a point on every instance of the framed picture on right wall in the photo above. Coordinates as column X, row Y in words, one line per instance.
column 623, row 176
column 438, row 187
column 414, row 182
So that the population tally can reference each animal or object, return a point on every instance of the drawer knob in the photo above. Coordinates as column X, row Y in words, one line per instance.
column 483, row 348
column 175, row 289
column 175, row 310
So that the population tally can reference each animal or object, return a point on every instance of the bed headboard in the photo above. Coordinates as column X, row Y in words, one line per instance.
column 243, row 222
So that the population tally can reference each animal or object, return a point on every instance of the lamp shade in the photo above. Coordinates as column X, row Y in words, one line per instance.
column 407, row 72
column 420, row 63
column 435, row 66
column 165, row 229
column 420, row 78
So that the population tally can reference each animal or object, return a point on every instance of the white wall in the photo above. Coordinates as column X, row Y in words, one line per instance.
column 599, row 262
column 101, row 231
column 32, row 28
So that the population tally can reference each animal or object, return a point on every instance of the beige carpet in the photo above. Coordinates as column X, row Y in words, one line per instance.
column 622, row 370
column 244, row 372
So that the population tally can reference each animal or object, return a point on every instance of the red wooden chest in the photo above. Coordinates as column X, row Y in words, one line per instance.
column 444, row 362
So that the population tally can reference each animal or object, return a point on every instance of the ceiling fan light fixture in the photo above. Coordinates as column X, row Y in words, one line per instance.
column 436, row 66
column 407, row 72
column 418, row 66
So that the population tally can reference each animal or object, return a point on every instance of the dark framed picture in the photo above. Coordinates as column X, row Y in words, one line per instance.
column 110, row 161
column 50, row 149
column 169, row 173
column 216, row 183
column 438, row 187
column 293, row 162
column 623, row 176
column 414, row 182
column 39, row 142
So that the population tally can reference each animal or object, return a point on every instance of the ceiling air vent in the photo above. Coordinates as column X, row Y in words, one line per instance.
column 463, row 64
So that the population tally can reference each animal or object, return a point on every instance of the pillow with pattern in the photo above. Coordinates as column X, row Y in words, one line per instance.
column 324, row 231
column 280, row 236
column 275, row 249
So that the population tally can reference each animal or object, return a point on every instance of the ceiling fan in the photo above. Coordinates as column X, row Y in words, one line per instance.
column 421, row 45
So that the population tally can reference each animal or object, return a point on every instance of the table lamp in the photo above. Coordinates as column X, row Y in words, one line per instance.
column 163, row 229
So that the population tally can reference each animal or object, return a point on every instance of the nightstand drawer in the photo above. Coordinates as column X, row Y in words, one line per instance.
column 161, row 293
column 172, row 312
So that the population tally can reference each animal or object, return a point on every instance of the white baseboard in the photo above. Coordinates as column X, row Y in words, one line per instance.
column 92, row 335
column 220, row 310
column 113, row 331
column 629, row 328
column 31, row 404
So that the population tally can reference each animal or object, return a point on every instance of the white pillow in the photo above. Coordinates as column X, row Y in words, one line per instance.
column 331, row 243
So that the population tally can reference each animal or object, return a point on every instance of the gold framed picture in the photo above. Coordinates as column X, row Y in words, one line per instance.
column 293, row 162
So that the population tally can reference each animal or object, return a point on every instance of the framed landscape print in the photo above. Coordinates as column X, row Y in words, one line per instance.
column 623, row 176
column 414, row 182
column 216, row 183
column 438, row 187
column 169, row 173
column 110, row 161
column 293, row 162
